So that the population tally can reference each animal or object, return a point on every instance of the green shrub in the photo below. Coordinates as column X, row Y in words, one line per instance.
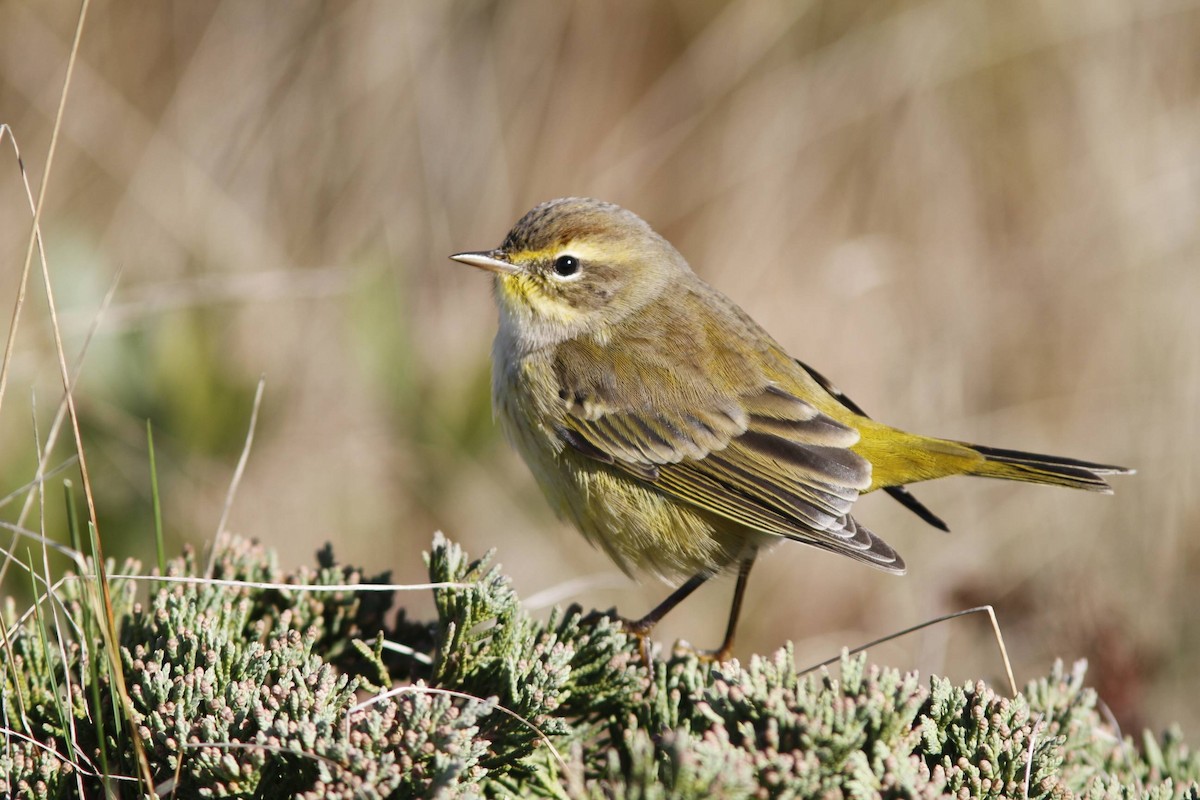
column 238, row 691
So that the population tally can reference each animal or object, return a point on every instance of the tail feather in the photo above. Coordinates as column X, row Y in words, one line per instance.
column 1053, row 470
column 899, row 493
column 906, row 499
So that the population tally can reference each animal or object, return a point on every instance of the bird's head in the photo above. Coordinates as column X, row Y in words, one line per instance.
column 575, row 266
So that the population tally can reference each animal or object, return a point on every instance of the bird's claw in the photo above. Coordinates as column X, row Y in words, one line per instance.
column 718, row 656
column 637, row 628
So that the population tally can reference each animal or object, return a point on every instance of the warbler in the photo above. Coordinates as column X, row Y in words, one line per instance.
column 673, row 431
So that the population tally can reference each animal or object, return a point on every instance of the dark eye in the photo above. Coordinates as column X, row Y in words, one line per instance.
column 566, row 266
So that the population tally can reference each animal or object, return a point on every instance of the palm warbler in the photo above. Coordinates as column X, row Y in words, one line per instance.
column 672, row 430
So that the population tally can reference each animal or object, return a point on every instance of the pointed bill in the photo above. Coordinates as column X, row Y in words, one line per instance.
column 490, row 260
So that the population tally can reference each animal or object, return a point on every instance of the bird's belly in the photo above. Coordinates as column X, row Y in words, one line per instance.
column 640, row 528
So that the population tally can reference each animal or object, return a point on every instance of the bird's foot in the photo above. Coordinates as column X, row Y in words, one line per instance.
column 638, row 628
column 718, row 656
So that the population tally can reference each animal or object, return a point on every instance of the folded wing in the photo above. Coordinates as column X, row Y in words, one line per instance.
column 767, row 460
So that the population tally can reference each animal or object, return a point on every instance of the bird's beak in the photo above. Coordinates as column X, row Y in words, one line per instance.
column 491, row 260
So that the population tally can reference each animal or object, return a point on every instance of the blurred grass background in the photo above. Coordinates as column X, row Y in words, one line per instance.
column 978, row 218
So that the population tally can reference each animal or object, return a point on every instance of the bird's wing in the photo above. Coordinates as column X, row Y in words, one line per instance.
column 767, row 460
column 899, row 493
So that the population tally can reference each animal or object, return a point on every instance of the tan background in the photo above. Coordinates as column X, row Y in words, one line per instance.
column 980, row 219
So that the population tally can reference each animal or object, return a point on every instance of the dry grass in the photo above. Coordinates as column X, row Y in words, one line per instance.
column 979, row 219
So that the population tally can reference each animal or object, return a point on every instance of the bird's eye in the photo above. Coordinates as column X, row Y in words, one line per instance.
column 566, row 266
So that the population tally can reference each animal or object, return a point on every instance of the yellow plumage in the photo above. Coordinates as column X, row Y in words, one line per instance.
column 672, row 430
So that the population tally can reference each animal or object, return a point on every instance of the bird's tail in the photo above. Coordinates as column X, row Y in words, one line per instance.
column 1015, row 465
column 899, row 458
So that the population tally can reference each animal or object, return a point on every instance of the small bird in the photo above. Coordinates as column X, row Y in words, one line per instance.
column 673, row 431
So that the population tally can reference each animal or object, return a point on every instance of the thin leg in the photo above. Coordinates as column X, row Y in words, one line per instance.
column 735, row 610
column 644, row 625
column 641, row 628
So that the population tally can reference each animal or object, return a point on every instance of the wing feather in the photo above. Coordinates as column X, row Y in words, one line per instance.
column 900, row 493
column 768, row 460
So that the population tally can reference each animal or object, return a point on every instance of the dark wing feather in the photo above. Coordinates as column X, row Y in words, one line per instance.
column 899, row 493
column 769, row 461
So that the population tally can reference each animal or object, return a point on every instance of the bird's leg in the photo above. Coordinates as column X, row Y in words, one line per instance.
column 643, row 626
column 739, row 591
column 640, row 628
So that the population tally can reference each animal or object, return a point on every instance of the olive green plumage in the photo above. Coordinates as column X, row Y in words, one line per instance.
column 670, row 428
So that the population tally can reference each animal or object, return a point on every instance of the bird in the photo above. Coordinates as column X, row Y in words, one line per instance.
column 674, row 432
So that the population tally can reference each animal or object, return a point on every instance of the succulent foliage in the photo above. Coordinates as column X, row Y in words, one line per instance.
column 258, row 692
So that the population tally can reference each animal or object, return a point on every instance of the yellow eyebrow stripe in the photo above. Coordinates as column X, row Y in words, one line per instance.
column 530, row 256
column 577, row 247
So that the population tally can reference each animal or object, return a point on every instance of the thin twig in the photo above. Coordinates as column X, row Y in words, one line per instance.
column 403, row 649
column 1126, row 750
column 35, row 240
column 1029, row 755
column 300, row 587
column 29, row 487
column 991, row 612
column 61, row 414
column 238, row 471
column 33, row 484
column 37, row 601
column 69, row 552
column 56, row 426
column 54, row 606
column 91, row 773
column 109, row 628
column 267, row 748
column 463, row 696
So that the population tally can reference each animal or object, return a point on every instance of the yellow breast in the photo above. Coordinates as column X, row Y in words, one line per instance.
column 640, row 528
